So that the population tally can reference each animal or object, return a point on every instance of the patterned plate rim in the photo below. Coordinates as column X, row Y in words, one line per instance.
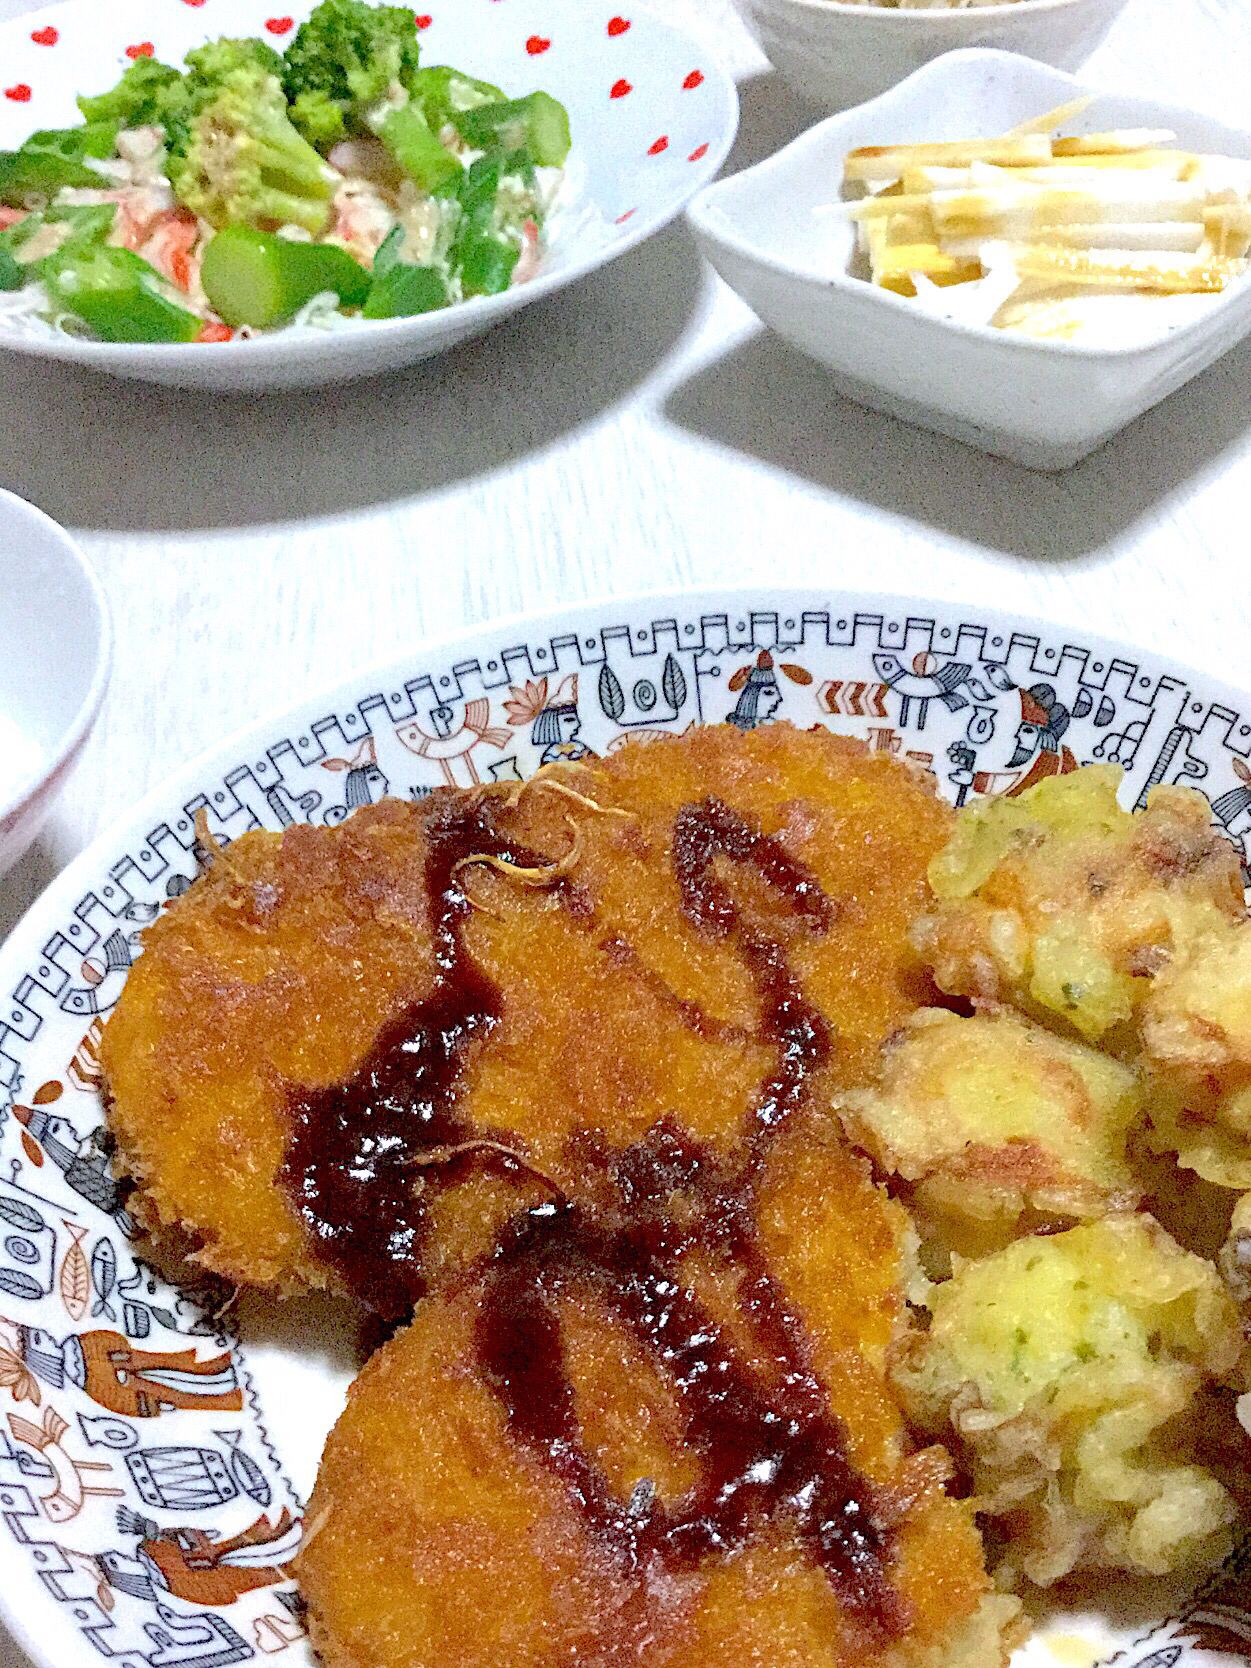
column 748, row 620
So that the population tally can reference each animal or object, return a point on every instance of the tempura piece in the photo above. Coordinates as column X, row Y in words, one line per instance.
column 1060, row 1369
column 1064, row 905
column 1196, row 1032
column 606, row 1461
column 997, row 1124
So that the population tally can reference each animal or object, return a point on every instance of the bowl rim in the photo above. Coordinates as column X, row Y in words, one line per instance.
column 273, row 350
column 896, row 17
column 955, row 63
column 89, row 706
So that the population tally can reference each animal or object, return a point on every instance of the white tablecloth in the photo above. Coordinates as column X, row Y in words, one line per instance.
column 638, row 431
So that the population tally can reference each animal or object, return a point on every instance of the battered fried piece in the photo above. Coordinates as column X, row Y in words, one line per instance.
column 1196, row 1032
column 1065, row 905
column 1059, row 1368
column 348, row 1054
column 997, row 1124
column 618, row 1446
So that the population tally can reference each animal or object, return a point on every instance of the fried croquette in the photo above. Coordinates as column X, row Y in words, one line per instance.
column 1196, row 1034
column 619, row 1445
column 995, row 1123
column 1064, row 905
column 348, row 1054
column 1057, row 1370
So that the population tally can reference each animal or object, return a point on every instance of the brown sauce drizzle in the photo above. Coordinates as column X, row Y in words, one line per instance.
column 352, row 1148
column 766, row 1450
column 703, row 832
column 769, row 1446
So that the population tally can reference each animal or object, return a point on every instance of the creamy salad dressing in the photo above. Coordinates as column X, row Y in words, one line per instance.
column 135, row 181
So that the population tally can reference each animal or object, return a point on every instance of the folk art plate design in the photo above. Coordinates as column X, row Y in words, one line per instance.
column 147, row 1513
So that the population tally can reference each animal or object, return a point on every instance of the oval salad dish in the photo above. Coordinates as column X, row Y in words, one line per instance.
column 207, row 194
column 157, row 1442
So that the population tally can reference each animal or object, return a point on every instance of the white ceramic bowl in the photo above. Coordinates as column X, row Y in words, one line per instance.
column 839, row 54
column 54, row 663
column 1042, row 403
column 652, row 115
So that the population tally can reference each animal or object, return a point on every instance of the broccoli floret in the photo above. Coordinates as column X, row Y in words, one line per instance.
column 210, row 64
column 239, row 160
column 362, row 61
column 209, row 67
column 319, row 119
column 360, row 56
column 135, row 100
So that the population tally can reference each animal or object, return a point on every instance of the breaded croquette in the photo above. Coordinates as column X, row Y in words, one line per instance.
column 996, row 1123
column 625, row 1444
column 1057, row 1369
column 348, row 1054
column 1196, row 1034
column 1065, row 905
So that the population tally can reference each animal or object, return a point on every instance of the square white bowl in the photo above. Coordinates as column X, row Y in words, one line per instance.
column 1044, row 404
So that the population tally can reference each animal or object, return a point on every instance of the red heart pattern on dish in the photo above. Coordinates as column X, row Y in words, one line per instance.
column 615, row 25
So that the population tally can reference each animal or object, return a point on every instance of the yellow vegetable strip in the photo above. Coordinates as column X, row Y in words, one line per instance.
column 927, row 259
column 1019, row 208
column 1123, row 269
column 1051, row 119
column 1120, row 139
column 1089, row 174
column 1181, row 236
column 874, row 163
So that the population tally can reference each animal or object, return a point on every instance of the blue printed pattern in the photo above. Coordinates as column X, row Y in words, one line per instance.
column 135, row 1469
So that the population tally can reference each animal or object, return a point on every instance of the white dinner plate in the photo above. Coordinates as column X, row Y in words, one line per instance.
column 652, row 115
column 87, row 1487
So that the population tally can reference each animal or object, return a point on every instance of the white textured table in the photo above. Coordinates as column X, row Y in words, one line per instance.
column 639, row 431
